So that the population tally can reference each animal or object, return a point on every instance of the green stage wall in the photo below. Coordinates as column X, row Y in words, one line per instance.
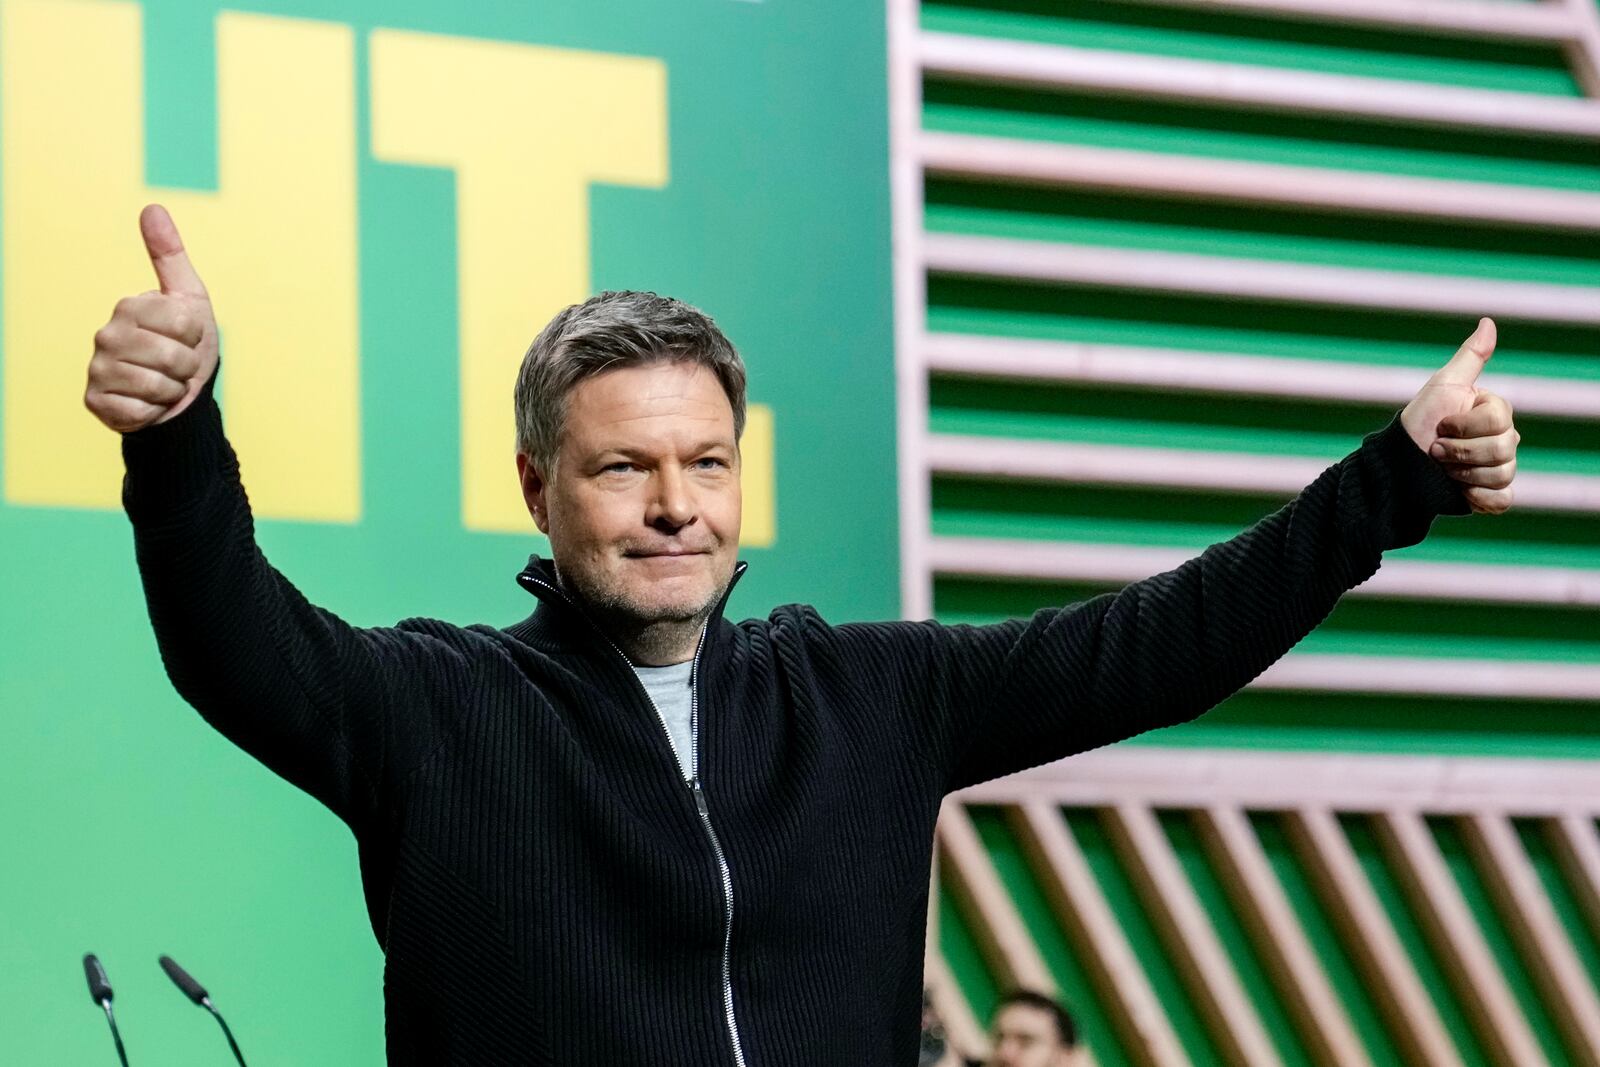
column 387, row 200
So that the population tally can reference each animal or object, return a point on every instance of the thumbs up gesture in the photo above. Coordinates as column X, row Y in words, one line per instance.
column 160, row 347
column 1467, row 428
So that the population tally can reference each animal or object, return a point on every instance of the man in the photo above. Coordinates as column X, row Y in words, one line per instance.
column 570, row 859
column 1032, row 1030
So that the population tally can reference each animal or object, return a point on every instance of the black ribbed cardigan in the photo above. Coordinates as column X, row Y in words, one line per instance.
column 534, row 865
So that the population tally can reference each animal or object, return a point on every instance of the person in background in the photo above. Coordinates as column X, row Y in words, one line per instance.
column 1032, row 1030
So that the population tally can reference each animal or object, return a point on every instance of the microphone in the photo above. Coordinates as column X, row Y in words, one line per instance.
column 197, row 993
column 100, row 993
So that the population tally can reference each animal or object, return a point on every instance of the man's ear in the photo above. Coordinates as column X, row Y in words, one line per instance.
column 534, row 486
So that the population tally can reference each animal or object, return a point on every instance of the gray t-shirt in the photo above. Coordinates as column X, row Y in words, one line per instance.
column 669, row 691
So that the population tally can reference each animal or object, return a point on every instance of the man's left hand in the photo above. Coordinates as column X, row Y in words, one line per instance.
column 1466, row 428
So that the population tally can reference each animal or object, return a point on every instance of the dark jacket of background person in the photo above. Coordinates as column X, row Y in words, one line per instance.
column 534, row 864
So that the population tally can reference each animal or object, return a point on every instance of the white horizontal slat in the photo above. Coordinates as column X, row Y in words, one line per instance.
column 1253, row 279
column 1345, row 781
column 1495, row 19
column 1054, row 66
column 1177, row 468
column 1240, row 181
column 1221, row 372
column 1084, row 561
column 1484, row 678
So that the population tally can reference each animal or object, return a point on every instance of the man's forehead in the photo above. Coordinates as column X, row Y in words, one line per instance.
column 680, row 404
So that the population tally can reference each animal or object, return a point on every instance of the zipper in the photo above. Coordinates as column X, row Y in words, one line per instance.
column 716, row 847
column 696, row 792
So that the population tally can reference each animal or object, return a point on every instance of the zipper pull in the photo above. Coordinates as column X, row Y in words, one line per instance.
column 699, row 798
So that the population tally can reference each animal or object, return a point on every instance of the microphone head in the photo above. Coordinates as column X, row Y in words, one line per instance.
column 99, row 984
column 180, row 978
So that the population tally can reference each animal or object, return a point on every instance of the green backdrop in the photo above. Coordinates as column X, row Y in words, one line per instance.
column 131, row 829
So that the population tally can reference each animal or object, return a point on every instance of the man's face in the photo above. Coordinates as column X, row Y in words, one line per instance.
column 1025, row 1036
column 643, row 508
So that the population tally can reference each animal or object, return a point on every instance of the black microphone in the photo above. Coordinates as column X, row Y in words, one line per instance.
column 197, row 993
column 100, row 993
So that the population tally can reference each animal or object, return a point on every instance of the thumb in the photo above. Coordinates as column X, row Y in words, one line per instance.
column 1465, row 366
column 173, row 269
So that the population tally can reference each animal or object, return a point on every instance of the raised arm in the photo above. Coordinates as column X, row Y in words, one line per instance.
column 335, row 709
column 983, row 701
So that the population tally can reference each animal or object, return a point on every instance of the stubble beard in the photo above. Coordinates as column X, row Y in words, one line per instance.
column 644, row 633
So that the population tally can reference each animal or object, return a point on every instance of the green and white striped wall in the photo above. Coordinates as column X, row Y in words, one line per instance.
column 1157, row 264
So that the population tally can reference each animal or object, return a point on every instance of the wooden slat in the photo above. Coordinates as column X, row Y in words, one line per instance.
column 1123, row 171
column 1272, row 281
column 1081, row 463
column 1097, row 561
column 1062, row 67
column 1576, row 842
column 961, row 1028
column 1161, row 777
column 1450, row 927
column 1096, row 936
column 1275, row 930
column 1189, row 937
column 1033, row 359
column 1495, row 19
column 1001, row 934
column 1363, row 925
column 1546, row 950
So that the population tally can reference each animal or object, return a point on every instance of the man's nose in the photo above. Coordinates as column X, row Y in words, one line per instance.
column 673, row 503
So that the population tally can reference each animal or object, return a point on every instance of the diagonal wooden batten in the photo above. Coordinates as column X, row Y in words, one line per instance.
column 1576, row 842
column 1081, row 908
column 1318, row 1014
column 1063, row 67
column 1161, row 777
column 1188, row 935
column 1073, row 463
column 1583, row 51
column 1275, row 281
column 1203, row 178
column 1537, row 931
column 962, row 1028
column 1000, row 932
column 1364, row 927
column 1031, row 359
column 1451, row 929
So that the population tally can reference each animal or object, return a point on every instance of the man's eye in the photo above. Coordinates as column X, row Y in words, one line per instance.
column 618, row 467
column 712, row 460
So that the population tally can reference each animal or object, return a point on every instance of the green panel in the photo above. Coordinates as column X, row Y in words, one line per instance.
column 1076, row 990
column 774, row 188
column 1337, row 962
column 1263, row 425
column 1223, row 132
column 1140, row 931
column 1091, row 314
column 1585, row 939
column 1255, row 232
column 1453, row 847
column 1226, row 37
column 1229, row 925
column 1430, row 969
column 965, row 957
column 1199, row 517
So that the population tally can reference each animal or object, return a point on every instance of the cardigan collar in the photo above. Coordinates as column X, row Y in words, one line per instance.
column 556, row 608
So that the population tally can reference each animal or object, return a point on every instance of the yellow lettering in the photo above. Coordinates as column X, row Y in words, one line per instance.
column 527, row 129
column 276, row 246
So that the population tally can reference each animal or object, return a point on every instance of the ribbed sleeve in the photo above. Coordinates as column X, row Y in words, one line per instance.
column 983, row 701
column 315, row 699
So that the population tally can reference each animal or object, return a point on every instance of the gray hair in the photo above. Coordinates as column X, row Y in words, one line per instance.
column 614, row 329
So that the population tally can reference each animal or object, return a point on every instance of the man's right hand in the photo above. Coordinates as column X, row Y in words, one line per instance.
column 160, row 347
